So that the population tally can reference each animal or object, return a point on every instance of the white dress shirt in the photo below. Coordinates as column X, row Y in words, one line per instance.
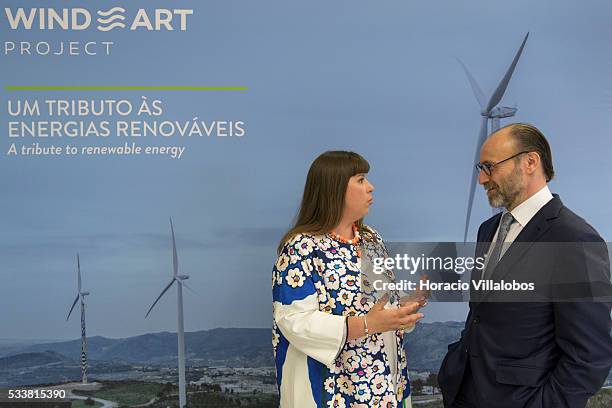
column 523, row 213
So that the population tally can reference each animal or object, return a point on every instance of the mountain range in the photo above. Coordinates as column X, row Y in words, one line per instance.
column 29, row 362
column 233, row 347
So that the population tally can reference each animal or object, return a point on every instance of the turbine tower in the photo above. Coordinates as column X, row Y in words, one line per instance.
column 81, row 295
column 489, row 112
column 181, row 329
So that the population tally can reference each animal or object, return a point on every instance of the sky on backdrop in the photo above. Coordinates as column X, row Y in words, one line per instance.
column 379, row 79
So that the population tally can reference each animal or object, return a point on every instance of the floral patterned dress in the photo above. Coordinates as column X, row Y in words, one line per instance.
column 317, row 283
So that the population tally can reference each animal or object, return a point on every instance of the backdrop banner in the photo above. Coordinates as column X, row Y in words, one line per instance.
column 154, row 153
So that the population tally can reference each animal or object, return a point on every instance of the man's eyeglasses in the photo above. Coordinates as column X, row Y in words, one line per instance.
column 487, row 167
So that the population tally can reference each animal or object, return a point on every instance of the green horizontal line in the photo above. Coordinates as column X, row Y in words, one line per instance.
column 123, row 88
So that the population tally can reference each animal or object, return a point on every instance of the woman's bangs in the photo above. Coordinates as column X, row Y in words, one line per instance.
column 359, row 164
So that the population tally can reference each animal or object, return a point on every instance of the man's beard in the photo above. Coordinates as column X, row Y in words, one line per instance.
column 506, row 193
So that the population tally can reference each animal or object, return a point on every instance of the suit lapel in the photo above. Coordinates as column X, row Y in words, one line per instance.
column 482, row 247
column 487, row 234
column 531, row 233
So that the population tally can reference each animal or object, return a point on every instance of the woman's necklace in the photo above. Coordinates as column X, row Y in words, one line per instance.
column 354, row 241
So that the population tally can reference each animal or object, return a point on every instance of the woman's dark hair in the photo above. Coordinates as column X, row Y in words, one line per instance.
column 324, row 192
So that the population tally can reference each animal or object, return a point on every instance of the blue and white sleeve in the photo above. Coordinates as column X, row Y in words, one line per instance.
column 297, row 314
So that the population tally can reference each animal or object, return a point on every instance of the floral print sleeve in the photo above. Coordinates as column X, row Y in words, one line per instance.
column 317, row 334
column 316, row 285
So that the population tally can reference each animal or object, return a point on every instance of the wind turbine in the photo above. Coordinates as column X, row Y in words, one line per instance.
column 489, row 111
column 181, row 329
column 81, row 295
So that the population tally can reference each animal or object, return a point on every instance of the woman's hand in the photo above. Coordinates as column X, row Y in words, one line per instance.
column 419, row 295
column 382, row 320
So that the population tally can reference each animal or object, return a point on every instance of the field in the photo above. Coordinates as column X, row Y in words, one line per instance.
column 130, row 392
column 603, row 399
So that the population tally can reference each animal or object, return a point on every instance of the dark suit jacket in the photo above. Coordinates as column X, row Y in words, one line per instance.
column 544, row 354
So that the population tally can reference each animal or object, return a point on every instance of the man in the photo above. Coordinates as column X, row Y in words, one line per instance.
column 545, row 354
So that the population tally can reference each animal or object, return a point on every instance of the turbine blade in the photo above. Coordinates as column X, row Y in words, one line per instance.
column 174, row 255
column 189, row 287
column 159, row 297
column 501, row 88
column 475, row 87
column 481, row 138
column 73, row 305
column 79, row 271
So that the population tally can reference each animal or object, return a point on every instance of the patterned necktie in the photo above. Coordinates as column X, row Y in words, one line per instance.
column 506, row 222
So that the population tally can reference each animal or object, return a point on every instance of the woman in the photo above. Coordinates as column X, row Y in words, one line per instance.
column 335, row 345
